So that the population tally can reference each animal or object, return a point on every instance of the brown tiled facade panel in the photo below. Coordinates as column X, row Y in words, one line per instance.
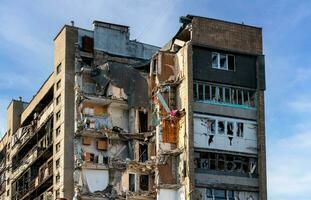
column 229, row 36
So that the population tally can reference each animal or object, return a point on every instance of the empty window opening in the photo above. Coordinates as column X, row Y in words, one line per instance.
column 225, row 162
column 230, row 126
column 143, row 152
column 87, row 44
column 221, row 127
column 143, row 121
column 132, row 182
column 144, row 182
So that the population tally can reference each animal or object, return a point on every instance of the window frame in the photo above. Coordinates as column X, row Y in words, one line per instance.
column 226, row 66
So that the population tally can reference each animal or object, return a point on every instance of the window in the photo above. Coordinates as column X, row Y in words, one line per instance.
column 8, row 193
column 223, row 61
column 143, row 152
column 220, row 194
column 57, row 147
column 57, row 178
column 209, row 193
column 230, row 128
column 59, row 68
column 58, row 114
column 239, row 165
column 210, row 125
column 58, row 99
column 144, row 182
column 57, row 163
column 58, row 130
column 132, row 182
column 206, row 92
column 58, row 84
column 143, row 121
column 221, row 127
column 240, row 129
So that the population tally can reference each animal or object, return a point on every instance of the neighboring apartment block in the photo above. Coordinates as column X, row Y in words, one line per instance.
column 120, row 119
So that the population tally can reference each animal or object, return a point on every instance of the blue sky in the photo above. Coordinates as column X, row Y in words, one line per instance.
column 27, row 29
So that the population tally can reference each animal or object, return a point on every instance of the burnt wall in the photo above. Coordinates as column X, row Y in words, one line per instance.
column 244, row 74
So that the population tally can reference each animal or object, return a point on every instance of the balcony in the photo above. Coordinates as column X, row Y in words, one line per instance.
column 24, row 134
column 223, row 95
column 29, row 186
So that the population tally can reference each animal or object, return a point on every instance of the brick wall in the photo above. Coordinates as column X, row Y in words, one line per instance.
column 226, row 35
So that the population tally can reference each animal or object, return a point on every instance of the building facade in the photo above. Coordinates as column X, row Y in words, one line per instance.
column 120, row 119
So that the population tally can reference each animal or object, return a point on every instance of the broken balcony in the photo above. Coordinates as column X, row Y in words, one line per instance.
column 33, row 181
column 35, row 150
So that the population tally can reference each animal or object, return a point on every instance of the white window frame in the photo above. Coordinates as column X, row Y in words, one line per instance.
column 226, row 63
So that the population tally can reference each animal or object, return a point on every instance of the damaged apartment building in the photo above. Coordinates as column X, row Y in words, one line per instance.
column 121, row 119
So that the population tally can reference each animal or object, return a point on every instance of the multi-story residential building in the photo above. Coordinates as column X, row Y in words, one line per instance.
column 212, row 75
column 120, row 119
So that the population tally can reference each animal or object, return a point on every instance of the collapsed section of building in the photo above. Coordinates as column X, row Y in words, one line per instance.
column 120, row 119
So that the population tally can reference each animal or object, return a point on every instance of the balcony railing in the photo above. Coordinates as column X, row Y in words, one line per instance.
column 224, row 95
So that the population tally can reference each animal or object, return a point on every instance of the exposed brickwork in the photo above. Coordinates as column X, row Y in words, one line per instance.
column 226, row 35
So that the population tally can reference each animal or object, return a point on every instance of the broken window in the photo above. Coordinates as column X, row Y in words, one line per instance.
column 221, row 127
column 225, row 162
column 223, row 61
column 132, row 182
column 144, row 182
column 211, row 126
column 214, row 60
column 240, row 129
column 230, row 128
column 143, row 152
column 143, row 121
